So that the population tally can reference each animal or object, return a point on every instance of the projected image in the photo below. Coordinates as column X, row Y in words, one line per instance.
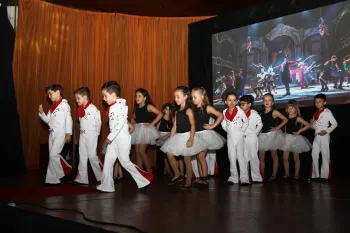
column 292, row 57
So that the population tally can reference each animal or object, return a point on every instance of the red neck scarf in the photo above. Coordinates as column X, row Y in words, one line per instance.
column 248, row 113
column 231, row 116
column 81, row 109
column 318, row 113
column 55, row 105
column 107, row 111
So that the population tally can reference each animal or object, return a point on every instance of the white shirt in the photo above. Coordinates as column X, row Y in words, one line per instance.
column 322, row 123
column 60, row 119
column 92, row 119
column 238, row 124
column 255, row 124
column 118, row 120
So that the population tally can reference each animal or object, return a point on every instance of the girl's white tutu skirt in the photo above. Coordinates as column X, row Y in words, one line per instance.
column 161, row 143
column 297, row 144
column 144, row 135
column 176, row 145
column 271, row 140
column 214, row 140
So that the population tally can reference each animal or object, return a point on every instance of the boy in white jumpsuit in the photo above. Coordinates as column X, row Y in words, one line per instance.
column 60, row 124
column 320, row 123
column 90, row 127
column 235, row 124
column 119, row 141
column 251, row 137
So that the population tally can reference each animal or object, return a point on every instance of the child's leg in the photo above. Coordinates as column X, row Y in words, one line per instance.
column 82, row 175
column 232, row 156
column 139, row 162
column 196, row 167
column 297, row 164
column 116, row 169
column 107, row 182
column 166, row 165
column 95, row 162
column 286, row 163
column 181, row 165
column 262, row 162
column 141, row 177
column 243, row 162
column 120, row 171
column 275, row 162
column 143, row 155
column 326, row 166
column 251, row 150
column 57, row 167
column 174, row 165
column 314, row 173
column 202, row 163
column 188, row 170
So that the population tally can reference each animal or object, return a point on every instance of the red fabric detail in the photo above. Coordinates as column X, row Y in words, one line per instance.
column 81, row 109
column 248, row 113
column 147, row 175
column 330, row 172
column 193, row 175
column 310, row 173
column 107, row 111
column 66, row 168
column 216, row 169
column 54, row 105
column 231, row 116
column 318, row 113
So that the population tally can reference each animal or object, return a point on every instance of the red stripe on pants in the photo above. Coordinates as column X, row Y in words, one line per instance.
column 147, row 175
column 66, row 169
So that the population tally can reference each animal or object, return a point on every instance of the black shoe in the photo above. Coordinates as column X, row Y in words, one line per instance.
column 145, row 188
column 257, row 182
column 230, row 183
column 314, row 179
column 245, row 184
column 172, row 182
column 67, row 179
column 187, row 188
column 286, row 177
column 77, row 183
column 51, row 185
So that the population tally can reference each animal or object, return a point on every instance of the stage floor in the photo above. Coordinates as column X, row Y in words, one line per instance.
column 259, row 208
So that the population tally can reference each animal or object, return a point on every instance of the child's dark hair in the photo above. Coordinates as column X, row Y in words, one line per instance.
column 146, row 94
column 248, row 99
column 231, row 93
column 321, row 96
column 172, row 110
column 55, row 87
column 111, row 87
column 186, row 91
column 170, row 105
column 83, row 91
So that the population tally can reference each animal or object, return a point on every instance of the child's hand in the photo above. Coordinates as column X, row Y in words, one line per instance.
column 312, row 121
column 189, row 143
column 322, row 133
column 41, row 110
column 296, row 133
column 68, row 138
column 108, row 141
column 273, row 129
column 207, row 126
column 147, row 125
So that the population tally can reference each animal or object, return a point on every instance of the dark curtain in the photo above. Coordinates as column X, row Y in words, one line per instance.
column 11, row 150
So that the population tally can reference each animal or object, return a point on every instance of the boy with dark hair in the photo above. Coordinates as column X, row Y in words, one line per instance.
column 60, row 124
column 119, row 141
column 323, row 122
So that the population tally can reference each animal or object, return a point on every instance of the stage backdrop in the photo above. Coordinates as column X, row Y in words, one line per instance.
column 77, row 48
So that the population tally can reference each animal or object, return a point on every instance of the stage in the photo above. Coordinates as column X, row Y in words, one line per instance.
column 284, row 206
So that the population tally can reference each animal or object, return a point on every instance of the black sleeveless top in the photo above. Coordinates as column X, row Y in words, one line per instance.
column 143, row 115
column 202, row 117
column 182, row 122
column 268, row 121
column 164, row 125
column 292, row 125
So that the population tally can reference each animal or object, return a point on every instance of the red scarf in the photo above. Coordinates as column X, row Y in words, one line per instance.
column 55, row 105
column 248, row 113
column 81, row 109
column 318, row 113
column 107, row 111
column 231, row 116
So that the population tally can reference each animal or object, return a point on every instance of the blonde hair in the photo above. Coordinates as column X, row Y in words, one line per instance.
column 204, row 93
column 294, row 104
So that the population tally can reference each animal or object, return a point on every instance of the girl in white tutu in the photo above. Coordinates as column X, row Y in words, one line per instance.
column 294, row 142
column 271, row 137
column 204, row 130
column 183, row 140
column 164, row 127
column 145, row 131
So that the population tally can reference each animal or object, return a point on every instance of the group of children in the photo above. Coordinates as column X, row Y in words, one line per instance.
column 182, row 133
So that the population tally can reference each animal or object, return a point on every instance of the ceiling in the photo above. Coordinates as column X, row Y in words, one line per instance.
column 161, row 8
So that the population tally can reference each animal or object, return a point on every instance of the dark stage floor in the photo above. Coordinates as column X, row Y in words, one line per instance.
column 273, row 207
